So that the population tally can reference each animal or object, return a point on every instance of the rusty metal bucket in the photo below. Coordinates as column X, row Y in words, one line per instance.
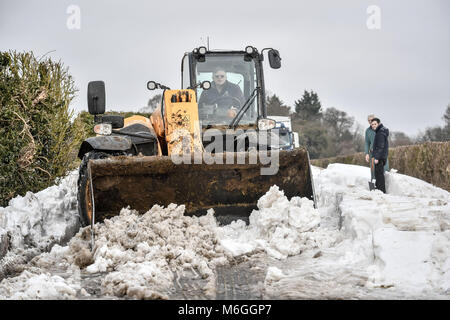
column 232, row 190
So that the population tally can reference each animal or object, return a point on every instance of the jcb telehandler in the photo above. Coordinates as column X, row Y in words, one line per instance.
column 203, row 156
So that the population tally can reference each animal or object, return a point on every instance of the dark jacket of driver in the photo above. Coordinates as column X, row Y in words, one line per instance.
column 212, row 96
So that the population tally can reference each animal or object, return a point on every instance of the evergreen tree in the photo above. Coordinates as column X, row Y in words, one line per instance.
column 276, row 107
column 309, row 106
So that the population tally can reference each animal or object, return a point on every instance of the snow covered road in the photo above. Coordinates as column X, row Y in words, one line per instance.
column 358, row 245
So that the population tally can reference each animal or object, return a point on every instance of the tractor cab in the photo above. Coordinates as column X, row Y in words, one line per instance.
column 236, row 95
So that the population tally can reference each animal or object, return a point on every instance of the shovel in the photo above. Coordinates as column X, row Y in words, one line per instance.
column 372, row 181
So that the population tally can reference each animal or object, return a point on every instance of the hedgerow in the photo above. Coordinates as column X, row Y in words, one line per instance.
column 38, row 140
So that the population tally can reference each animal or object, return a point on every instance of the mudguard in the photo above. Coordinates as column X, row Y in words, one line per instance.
column 104, row 143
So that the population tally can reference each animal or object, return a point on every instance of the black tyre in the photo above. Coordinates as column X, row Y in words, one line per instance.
column 85, row 208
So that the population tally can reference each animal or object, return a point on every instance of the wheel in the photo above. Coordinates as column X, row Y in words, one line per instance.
column 84, row 188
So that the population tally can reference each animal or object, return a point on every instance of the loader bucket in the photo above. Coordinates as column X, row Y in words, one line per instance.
column 232, row 190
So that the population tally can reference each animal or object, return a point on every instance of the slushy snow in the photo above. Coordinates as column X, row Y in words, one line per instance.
column 358, row 244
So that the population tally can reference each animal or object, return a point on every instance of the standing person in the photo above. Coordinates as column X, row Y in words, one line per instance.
column 368, row 148
column 380, row 152
column 368, row 145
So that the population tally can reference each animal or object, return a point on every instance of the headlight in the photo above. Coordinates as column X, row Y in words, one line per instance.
column 104, row 129
column 206, row 85
column 152, row 85
column 266, row 124
column 202, row 50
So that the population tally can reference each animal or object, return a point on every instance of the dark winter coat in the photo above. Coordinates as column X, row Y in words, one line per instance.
column 229, row 90
column 381, row 143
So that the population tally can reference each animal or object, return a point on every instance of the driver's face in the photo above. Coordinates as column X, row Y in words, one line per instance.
column 219, row 78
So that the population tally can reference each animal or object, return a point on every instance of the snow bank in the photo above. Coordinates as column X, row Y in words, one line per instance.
column 407, row 186
column 394, row 245
column 39, row 220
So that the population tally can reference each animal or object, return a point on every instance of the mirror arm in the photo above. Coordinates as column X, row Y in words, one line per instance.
column 200, row 84
column 262, row 51
column 194, row 87
column 97, row 118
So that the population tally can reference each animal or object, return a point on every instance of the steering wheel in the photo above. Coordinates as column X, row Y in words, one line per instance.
column 224, row 105
column 219, row 109
column 227, row 102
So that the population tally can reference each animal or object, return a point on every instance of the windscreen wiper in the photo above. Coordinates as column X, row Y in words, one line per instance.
column 244, row 108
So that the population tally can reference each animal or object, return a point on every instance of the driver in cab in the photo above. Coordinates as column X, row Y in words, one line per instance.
column 222, row 94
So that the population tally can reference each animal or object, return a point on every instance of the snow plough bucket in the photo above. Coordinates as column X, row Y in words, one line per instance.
column 232, row 190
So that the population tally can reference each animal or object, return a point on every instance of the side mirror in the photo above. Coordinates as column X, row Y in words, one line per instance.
column 96, row 97
column 274, row 59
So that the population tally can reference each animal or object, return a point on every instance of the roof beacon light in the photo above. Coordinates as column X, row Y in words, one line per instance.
column 249, row 49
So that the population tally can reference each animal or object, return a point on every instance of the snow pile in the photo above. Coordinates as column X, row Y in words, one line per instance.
column 280, row 227
column 39, row 220
column 394, row 245
column 143, row 251
column 31, row 286
column 140, row 256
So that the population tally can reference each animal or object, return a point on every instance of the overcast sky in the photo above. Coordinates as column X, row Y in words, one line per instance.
column 393, row 60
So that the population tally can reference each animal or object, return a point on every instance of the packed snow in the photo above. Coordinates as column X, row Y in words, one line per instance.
column 358, row 244
column 394, row 245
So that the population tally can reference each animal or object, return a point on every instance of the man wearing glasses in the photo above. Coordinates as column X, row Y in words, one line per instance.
column 222, row 94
